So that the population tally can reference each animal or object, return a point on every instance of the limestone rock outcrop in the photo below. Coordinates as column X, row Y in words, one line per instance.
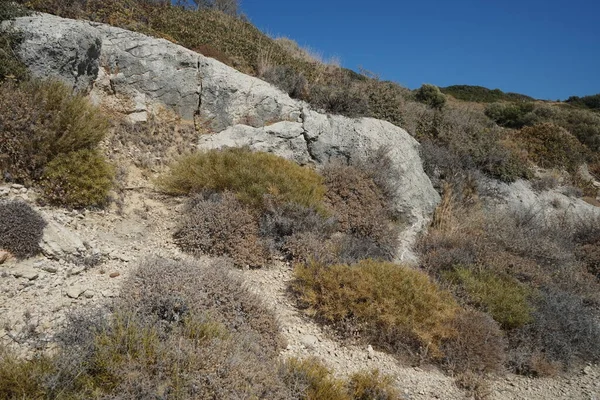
column 134, row 74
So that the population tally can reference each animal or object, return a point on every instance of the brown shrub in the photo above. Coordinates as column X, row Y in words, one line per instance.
column 360, row 207
column 372, row 385
column 21, row 229
column 220, row 225
column 478, row 347
column 209, row 51
column 551, row 146
column 395, row 306
column 309, row 379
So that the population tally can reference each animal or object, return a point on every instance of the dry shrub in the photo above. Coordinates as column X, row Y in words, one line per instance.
column 209, row 51
column 282, row 222
column 474, row 384
column 220, row 225
column 392, row 305
column 21, row 229
column 551, row 146
column 78, row 179
column 286, row 79
column 309, row 379
column 372, row 385
column 343, row 97
column 155, row 143
column 250, row 175
column 479, row 346
column 563, row 329
column 360, row 207
column 41, row 120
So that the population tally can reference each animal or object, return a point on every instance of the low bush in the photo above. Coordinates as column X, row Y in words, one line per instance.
column 281, row 222
column 394, row 306
column 344, row 98
column 220, row 225
column 309, row 379
column 372, row 385
column 479, row 346
column 21, row 229
column 563, row 329
column 22, row 380
column 551, row 146
column 250, row 175
column 41, row 120
column 361, row 208
column 286, row 79
column 430, row 95
column 78, row 179
column 500, row 295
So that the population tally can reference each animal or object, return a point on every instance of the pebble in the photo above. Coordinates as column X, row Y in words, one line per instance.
column 50, row 269
column 114, row 274
column 309, row 341
column 24, row 272
column 75, row 291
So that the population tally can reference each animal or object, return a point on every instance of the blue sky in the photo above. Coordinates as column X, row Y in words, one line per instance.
column 546, row 49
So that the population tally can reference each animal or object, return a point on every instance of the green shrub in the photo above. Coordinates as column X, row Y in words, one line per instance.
column 312, row 380
column 78, row 179
column 502, row 296
column 250, row 175
column 481, row 94
column 512, row 115
column 394, row 306
column 591, row 102
column 372, row 385
column 21, row 229
column 430, row 95
column 220, row 225
column 551, row 146
column 41, row 120
column 22, row 379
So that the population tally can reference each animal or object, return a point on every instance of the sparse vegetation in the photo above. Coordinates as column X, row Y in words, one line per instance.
column 21, row 228
column 392, row 305
column 311, row 380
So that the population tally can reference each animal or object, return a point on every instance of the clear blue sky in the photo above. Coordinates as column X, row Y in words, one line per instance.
column 548, row 49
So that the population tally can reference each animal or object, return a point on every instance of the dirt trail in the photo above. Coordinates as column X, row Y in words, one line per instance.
column 144, row 228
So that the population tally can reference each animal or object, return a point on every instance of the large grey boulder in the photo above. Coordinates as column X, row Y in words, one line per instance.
column 59, row 242
column 133, row 73
column 549, row 205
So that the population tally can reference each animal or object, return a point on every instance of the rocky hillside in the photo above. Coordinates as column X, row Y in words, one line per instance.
column 181, row 223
